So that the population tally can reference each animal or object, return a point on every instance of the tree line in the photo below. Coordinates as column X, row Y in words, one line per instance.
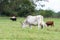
column 23, row 8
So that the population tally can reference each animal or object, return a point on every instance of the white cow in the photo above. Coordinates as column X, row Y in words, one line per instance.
column 34, row 20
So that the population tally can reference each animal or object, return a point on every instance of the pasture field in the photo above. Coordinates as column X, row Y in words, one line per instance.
column 11, row 30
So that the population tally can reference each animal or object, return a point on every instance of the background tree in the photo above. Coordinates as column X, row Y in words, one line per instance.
column 16, row 7
column 57, row 15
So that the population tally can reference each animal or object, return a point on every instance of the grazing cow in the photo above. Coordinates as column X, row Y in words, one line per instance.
column 50, row 23
column 13, row 18
column 33, row 20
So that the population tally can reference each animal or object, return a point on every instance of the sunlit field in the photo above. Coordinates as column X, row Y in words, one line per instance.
column 11, row 30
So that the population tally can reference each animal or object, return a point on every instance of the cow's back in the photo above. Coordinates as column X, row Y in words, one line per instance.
column 31, row 19
column 34, row 19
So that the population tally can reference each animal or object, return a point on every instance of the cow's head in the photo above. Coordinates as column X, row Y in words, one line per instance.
column 23, row 24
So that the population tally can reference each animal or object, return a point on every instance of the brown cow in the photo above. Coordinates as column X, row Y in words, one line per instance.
column 50, row 23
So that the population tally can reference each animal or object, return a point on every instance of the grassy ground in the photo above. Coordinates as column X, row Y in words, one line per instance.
column 10, row 30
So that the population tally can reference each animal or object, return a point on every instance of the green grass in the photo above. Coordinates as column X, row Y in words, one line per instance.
column 10, row 30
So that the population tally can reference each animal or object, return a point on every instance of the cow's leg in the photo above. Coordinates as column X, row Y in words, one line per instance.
column 39, row 26
column 42, row 26
column 30, row 26
column 45, row 25
column 38, row 21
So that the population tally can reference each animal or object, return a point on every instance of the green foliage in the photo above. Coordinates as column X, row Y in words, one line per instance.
column 17, row 7
column 46, row 13
column 57, row 15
